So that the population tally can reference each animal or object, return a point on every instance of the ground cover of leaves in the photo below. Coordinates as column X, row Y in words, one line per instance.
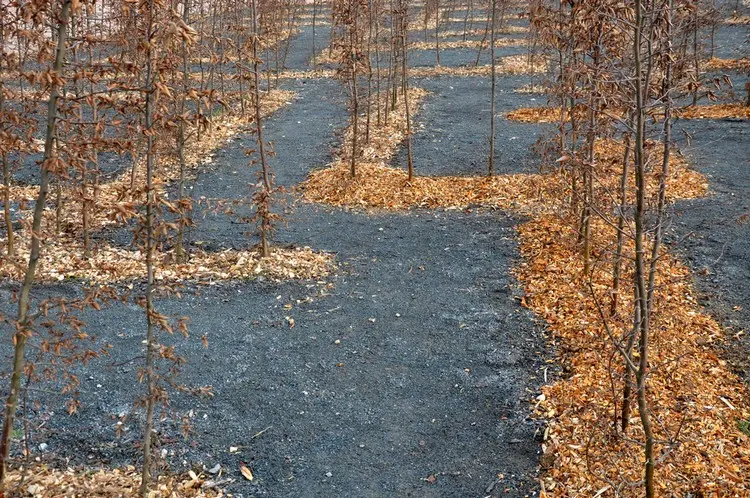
column 698, row 405
column 224, row 128
column 712, row 111
column 63, row 258
column 737, row 20
column 716, row 64
column 715, row 111
column 511, row 64
column 40, row 481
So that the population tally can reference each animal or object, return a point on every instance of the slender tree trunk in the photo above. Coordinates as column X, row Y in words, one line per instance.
column 405, row 76
column 466, row 19
column 484, row 37
column 666, row 145
column 491, row 168
column 437, row 31
column 264, row 246
column 369, row 71
column 377, row 67
column 617, row 269
column 179, row 247
column 696, row 55
column 355, row 97
column 640, row 232
column 314, row 16
column 24, row 325
column 11, row 245
column 151, row 345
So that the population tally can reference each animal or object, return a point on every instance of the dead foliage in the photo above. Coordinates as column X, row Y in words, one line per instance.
column 457, row 44
column 532, row 89
column 537, row 115
column 718, row 64
column 308, row 75
column 553, row 114
column 63, row 259
column 698, row 403
column 41, row 481
column 116, row 192
column 382, row 187
column 735, row 20
column 512, row 64
column 715, row 111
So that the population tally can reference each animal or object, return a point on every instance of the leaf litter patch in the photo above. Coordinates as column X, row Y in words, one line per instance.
column 40, row 481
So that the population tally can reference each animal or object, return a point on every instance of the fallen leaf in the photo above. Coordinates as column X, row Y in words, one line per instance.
column 246, row 472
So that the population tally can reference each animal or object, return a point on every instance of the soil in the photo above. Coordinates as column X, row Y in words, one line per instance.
column 451, row 136
column 712, row 232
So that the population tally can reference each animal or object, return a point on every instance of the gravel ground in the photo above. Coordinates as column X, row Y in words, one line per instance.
column 452, row 135
column 712, row 232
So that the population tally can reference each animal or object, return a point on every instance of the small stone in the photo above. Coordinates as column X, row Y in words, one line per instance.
column 215, row 469
column 328, row 474
column 43, row 447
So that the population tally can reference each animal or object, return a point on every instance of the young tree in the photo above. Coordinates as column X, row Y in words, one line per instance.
column 262, row 198
column 148, row 11
column 59, row 12
column 491, row 166
column 403, row 15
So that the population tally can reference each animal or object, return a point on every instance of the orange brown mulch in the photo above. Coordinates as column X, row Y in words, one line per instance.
column 448, row 45
column 737, row 20
column 697, row 403
column 715, row 111
column 307, row 75
column 535, row 115
column 41, row 481
column 717, row 64
column 512, row 64
column 509, row 29
column 382, row 187
column 109, row 194
column 546, row 114
column 532, row 89
column 63, row 259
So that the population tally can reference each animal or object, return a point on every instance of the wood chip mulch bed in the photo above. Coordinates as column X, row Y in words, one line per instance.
column 64, row 260
column 40, row 481
column 546, row 114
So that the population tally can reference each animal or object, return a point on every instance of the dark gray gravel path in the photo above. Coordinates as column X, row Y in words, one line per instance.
column 452, row 135
column 713, row 231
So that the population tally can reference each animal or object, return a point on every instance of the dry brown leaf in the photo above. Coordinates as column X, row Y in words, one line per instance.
column 246, row 472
